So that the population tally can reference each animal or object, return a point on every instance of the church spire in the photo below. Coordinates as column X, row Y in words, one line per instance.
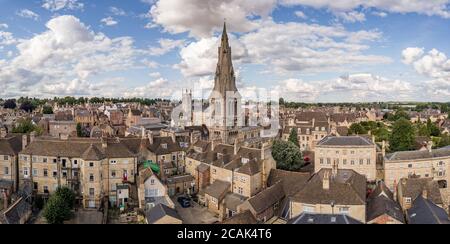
column 225, row 35
column 225, row 79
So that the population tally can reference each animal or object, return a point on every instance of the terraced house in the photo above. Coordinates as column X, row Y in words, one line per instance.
column 227, row 175
column 431, row 163
column 10, row 146
column 348, row 152
column 93, row 168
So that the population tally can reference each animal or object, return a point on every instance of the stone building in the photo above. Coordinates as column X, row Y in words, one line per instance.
column 93, row 168
column 431, row 163
column 349, row 152
column 334, row 191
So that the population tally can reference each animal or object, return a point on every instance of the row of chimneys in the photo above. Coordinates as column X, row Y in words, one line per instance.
column 327, row 176
column 25, row 139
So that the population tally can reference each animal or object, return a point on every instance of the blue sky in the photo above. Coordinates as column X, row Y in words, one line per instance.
column 322, row 50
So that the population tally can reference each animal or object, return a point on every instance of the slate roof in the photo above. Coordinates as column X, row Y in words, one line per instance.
column 381, row 202
column 160, row 211
column 414, row 187
column 424, row 154
column 233, row 200
column 14, row 214
column 347, row 188
column 243, row 218
column 292, row 181
column 251, row 168
column 267, row 198
column 157, row 146
column 308, row 218
column 218, row 189
column 11, row 145
column 88, row 149
column 308, row 116
column 345, row 141
column 424, row 211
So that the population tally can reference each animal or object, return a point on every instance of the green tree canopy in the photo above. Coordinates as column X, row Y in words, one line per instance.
column 47, row 110
column 357, row 129
column 293, row 137
column 24, row 126
column 56, row 211
column 67, row 195
column 402, row 137
column 10, row 103
column 287, row 155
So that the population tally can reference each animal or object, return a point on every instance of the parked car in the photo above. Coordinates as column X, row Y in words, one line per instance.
column 185, row 202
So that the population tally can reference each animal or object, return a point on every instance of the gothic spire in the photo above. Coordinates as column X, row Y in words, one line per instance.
column 225, row 79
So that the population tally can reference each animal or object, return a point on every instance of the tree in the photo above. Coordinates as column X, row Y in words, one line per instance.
column 433, row 128
column 79, row 130
column 357, row 129
column 27, row 106
column 10, row 103
column 47, row 110
column 287, row 155
column 444, row 141
column 402, row 137
column 293, row 137
column 56, row 211
column 24, row 126
column 67, row 195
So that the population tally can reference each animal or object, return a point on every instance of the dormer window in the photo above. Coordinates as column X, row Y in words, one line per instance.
column 164, row 146
column 244, row 160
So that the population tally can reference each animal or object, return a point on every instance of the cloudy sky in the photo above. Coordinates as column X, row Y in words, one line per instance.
column 308, row 50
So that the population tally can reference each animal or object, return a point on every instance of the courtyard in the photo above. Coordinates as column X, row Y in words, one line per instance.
column 195, row 214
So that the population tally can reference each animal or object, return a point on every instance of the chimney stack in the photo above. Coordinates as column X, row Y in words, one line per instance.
column 326, row 180
column 425, row 194
column 174, row 138
column 104, row 143
column 236, row 148
column 150, row 137
column 2, row 132
column 5, row 199
column 383, row 149
column 32, row 136
column 430, row 146
column 142, row 132
column 335, row 169
column 395, row 191
column 212, row 145
column 24, row 142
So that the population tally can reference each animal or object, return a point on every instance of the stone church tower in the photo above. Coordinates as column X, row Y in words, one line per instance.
column 225, row 100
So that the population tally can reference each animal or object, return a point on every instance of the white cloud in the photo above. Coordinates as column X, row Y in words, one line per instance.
column 200, row 18
column 109, row 21
column 411, row 54
column 352, row 16
column 165, row 46
column 434, row 64
column 3, row 26
column 6, row 38
column 117, row 11
column 435, row 7
column 300, row 14
column 294, row 47
column 67, row 51
column 26, row 13
column 200, row 58
column 56, row 5
column 380, row 14
column 297, row 90
column 155, row 89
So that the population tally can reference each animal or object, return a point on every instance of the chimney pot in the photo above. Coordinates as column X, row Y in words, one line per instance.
column 24, row 142
column 326, row 180
column 425, row 194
